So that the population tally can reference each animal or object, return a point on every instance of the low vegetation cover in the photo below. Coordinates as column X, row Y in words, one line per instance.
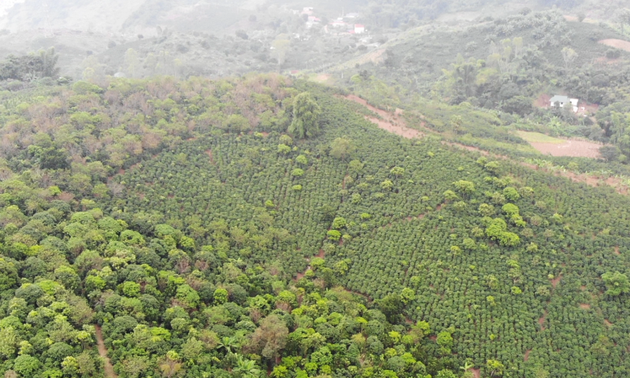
column 257, row 226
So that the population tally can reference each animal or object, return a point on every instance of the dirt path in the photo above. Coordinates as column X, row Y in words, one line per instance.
column 392, row 123
column 387, row 121
column 102, row 351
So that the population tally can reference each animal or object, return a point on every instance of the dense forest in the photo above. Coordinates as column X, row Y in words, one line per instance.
column 262, row 226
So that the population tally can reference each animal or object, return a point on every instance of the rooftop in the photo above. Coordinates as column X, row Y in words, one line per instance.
column 561, row 99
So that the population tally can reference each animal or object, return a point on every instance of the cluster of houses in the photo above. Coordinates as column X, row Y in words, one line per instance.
column 341, row 25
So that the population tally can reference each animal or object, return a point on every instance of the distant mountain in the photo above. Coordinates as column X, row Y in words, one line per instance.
column 115, row 16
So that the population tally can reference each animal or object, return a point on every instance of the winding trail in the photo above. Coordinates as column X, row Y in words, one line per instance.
column 102, row 351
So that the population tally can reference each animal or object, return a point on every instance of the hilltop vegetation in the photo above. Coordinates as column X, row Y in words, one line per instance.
column 264, row 226
column 183, row 221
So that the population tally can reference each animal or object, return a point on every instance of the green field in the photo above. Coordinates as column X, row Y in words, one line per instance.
column 533, row 137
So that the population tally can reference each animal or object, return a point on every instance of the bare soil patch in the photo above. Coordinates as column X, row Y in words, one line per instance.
column 556, row 281
column 388, row 121
column 572, row 148
column 542, row 101
column 526, row 356
column 617, row 251
column 541, row 321
column 209, row 153
column 476, row 372
column 608, row 323
column 322, row 78
column 616, row 43
column 585, row 306
column 102, row 351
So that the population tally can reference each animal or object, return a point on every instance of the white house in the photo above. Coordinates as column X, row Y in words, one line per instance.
column 562, row 100
column 338, row 23
column 359, row 29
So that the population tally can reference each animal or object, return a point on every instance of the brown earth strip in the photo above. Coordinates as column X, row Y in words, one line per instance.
column 388, row 121
column 616, row 43
column 102, row 351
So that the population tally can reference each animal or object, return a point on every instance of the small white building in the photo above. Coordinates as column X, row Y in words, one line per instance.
column 560, row 101
column 359, row 29
column 338, row 23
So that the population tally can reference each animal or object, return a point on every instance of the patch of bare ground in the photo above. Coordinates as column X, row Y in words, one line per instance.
column 542, row 101
column 556, row 281
column 571, row 148
column 476, row 372
column 585, row 306
column 541, row 321
column 617, row 251
column 102, row 351
column 526, row 356
column 616, row 43
column 209, row 153
column 610, row 61
column 322, row 78
column 392, row 122
column 608, row 323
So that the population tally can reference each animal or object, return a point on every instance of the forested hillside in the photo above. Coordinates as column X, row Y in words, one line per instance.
column 260, row 226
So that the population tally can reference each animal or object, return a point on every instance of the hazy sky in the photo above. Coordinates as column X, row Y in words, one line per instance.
column 6, row 4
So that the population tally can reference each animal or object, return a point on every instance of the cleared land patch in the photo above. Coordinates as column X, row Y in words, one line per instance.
column 387, row 121
column 561, row 147
column 616, row 43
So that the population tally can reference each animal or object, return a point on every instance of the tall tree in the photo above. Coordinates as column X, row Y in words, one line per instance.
column 271, row 337
column 306, row 113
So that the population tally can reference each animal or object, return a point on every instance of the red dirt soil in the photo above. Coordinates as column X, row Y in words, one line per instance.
column 572, row 148
column 102, row 351
column 585, row 306
column 607, row 322
column 556, row 281
column 542, row 101
column 616, row 43
column 389, row 122
column 526, row 356
column 541, row 321
column 476, row 373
